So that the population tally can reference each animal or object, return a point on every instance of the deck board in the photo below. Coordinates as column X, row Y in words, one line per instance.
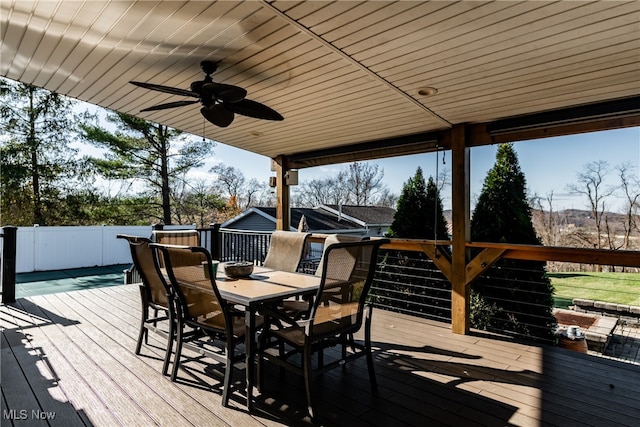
column 72, row 354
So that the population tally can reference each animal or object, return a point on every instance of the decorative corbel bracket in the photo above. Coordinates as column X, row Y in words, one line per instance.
column 439, row 258
column 481, row 263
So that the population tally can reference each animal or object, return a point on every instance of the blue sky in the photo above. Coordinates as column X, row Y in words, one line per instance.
column 549, row 164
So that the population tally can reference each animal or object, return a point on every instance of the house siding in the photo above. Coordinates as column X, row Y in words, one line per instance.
column 254, row 222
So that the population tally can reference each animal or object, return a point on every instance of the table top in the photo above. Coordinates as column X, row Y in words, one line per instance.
column 264, row 285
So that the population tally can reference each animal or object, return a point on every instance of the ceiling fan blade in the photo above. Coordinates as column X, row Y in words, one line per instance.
column 169, row 105
column 224, row 92
column 218, row 115
column 254, row 109
column 166, row 89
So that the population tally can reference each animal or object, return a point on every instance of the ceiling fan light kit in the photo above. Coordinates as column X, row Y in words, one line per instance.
column 220, row 102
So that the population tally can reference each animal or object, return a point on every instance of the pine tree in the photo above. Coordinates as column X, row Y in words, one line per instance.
column 142, row 150
column 38, row 166
column 419, row 211
column 412, row 283
column 513, row 295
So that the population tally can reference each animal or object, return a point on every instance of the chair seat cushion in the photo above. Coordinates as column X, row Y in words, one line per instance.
column 238, row 327
column 294, row 308
column 295, row 335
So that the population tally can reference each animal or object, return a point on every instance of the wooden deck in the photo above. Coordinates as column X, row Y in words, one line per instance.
column 70, row 356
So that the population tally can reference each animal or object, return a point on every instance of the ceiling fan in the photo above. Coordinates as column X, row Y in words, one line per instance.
column 220, row 102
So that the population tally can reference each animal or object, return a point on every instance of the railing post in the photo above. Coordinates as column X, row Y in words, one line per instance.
column 9, row 242
column 215, row 241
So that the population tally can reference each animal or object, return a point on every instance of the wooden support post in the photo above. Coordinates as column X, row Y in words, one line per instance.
column 282, row 195
column 215, row 240
column 9, row 251
column 461, row 230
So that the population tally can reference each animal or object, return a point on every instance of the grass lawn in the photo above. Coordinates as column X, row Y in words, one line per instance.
column 621, row 288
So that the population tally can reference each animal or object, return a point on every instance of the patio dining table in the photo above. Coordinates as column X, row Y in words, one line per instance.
column 263, row 286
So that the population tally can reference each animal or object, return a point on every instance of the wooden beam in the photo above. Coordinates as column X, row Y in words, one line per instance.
column 523, row 252
column 410, row 244
column 460, row 310
column 369, row 150
column 282, row 195
column 439, row 259
column 482, row 262
column 616, row 114
column 565, row 254
column 482, row 137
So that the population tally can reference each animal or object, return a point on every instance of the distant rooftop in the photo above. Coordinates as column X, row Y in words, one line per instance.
column 324, row 218
column 367, row 214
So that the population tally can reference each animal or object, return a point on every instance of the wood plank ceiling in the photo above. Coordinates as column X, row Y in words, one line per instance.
column 340, row 72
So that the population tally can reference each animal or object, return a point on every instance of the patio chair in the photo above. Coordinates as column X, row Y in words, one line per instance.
column 336, row 314
column 296, row 308
column 177, row 237
column 217, row 326
column 286, row 249
column 155, row 295
column 332, row 239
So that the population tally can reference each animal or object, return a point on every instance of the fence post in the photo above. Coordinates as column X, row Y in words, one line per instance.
column 215, row 241
column 9, row 264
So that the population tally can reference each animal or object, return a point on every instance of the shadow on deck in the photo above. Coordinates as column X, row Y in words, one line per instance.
column 71, row 355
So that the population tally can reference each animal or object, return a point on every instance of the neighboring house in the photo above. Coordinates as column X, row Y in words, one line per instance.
column 328, row 219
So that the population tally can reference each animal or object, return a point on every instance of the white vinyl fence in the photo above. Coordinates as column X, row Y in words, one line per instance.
column 57, row 248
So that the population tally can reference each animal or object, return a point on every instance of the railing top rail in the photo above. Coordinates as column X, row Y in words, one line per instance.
column 510, row 250
column 566, row 254
column 252, row 232
column 533, row 252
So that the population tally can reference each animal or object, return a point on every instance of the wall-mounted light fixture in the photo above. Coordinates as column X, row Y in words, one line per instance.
column 291, row 177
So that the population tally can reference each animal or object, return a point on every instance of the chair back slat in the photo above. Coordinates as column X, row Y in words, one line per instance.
column 144, row 260
column 189, row 269
column 332, row 239
column 176, row 237
column 347, row 275
column 286, row 249
column 179, row 238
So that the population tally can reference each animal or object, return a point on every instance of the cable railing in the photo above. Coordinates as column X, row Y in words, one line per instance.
column 408, row 281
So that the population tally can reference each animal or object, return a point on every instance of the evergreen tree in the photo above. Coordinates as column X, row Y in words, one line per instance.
column 419, row 211
column 513, row 295
column 412, row 283
column 142, row 150
column 38, row 168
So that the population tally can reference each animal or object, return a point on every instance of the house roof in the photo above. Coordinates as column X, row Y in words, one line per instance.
column 369, row 215
column 385, row 74
column 323, row 218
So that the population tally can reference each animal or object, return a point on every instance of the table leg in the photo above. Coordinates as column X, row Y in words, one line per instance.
column 250, row 349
